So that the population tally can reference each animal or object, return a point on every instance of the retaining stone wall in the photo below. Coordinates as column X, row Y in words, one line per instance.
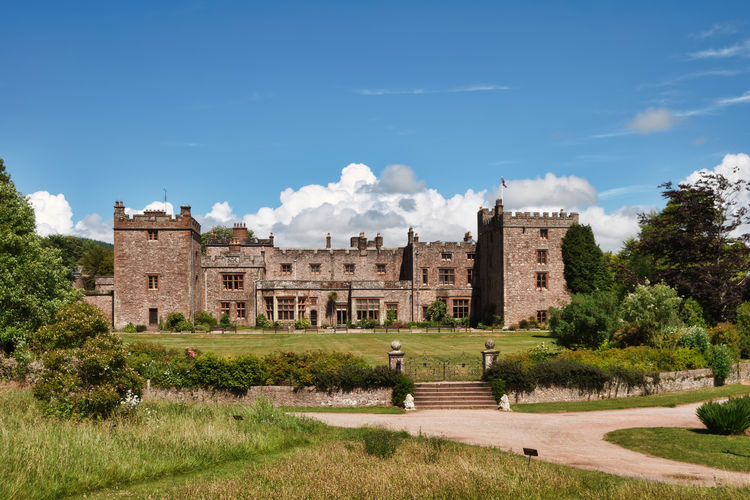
column 280, row 395
column 668, row 382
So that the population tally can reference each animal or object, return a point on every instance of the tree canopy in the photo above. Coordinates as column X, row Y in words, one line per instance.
column 98, row 261
column 223, row 233
column 696, row 243
column 33, row 280
column 585, row 266
column 72, row 249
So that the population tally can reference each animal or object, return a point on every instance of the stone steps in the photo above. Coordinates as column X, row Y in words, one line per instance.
column 453, row 395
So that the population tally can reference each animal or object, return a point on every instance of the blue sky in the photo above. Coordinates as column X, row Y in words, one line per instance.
column 586, row 106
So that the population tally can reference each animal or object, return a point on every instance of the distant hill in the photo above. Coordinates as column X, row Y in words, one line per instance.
column 72, row 248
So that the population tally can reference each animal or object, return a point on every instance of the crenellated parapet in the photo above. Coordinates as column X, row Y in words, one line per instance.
column 155, row 219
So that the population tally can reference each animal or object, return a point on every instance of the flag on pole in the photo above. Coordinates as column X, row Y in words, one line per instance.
column 502, row 181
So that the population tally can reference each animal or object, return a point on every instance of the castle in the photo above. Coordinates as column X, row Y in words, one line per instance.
column 514, row 269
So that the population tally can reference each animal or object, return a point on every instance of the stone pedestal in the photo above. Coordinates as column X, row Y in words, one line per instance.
column 396, row 357
column 489, row 355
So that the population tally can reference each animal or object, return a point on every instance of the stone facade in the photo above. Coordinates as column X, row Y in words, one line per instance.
column 159, row 269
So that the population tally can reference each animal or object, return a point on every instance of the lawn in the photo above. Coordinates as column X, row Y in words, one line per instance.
column 667, row 399
column 687, row 445
column 202, row 451
column 373, row 347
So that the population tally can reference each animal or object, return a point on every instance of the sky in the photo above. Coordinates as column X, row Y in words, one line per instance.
column 303, row 118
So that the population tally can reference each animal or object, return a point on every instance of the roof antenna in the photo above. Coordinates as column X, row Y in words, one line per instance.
column 165, row 200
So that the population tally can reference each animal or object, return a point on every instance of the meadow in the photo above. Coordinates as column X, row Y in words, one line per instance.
column 373, row 347
column 230, row 451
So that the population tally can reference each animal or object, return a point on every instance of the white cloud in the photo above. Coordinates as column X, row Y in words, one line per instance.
column 653, row 120
column 480, row 87
column 715, row 29
column 93, row 227
column 53, row 213
column 549, row 192
column 154, row 205
column 220, row 215
column 736, row 50
column 612, row 229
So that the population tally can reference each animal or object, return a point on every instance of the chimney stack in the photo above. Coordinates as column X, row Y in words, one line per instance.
column 411, row 236
column 328, row 240
column 185, row 210
column 378, row 241
column 467, row 237
column 239, row 231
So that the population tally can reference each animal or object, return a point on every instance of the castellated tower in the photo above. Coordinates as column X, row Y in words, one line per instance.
column 519, row 260
column 157, row 266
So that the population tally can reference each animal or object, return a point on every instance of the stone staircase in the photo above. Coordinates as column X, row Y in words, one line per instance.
column 454, row 395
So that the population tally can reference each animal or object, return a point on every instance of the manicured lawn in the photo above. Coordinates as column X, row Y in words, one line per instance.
column 371, row 346
column 687, row 445
column 387, row 410
column 183, row 451
column 668, row 399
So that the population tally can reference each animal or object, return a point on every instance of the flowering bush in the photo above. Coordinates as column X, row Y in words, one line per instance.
column 73, row 325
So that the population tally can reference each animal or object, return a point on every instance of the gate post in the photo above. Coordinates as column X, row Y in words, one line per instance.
column 396, row 357
column 489, row 355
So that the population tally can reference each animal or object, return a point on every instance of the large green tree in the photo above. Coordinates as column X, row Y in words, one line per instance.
column 697, row 244
column 98, row 261
column 72, row 248
column 585, row 266
column 33, row 279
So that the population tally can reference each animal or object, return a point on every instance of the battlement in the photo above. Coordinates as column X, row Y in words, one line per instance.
column 154, row 219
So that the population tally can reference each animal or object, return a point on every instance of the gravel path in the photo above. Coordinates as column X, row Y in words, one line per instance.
column 574, row 439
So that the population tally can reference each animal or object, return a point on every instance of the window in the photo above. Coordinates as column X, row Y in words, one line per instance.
column 392, row 306
column 348, row 268
column 341, row 314
column 233, row 281
column 153, row 281
column 446, row 256
column 424, row 275
column 470, row 256
column 224, row 308
column 286, row 269
column 469, row 275
column 240, row 310
column 269, row 308
column 368, row 309
column 446, row 276
column 285, row 308
column 153, row 235
column 541, row 280
column 301, row 307
column 543, row 233
column 541, row 256
column 380, row 268
column 424, row 312
column 460, row 308
column 315, row 268
column 541, row 317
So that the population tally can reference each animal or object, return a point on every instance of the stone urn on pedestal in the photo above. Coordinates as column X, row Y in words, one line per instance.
column 489, row 355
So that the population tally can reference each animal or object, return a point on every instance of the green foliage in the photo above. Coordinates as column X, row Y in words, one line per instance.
column 588, row 321
column 390, row 317
column 382, row 443
column 402, row 387
column 743, row 328
column 302, row 323
column 140, row 328
column 223, row 234
column 436, row 311
column 129, row 328
column 517, row 377
column 262, row 322
column 691, row 313
column 368, row 323
column 12, row 338
column 727, row 334
column 173, row 319
column 585, row 268
column 647, row 311
column 205, row 318
column 720, row 359
column 695, row 337
column 97, row 261
column 731, row 417
column 34, row 283
column 571, row 374
column 233, row 374
column 224, row 321
column 497, row 386
column 73, row 324
column 184, row 326
column 72, row 249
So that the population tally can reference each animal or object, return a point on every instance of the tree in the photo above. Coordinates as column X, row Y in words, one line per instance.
column 697, row 245
column 437, row 311
column 98, row 261
column 647, row 311
column 588, row 321
column 72, row 249
column 33, row 280
column 585, row 266
column 222, row 233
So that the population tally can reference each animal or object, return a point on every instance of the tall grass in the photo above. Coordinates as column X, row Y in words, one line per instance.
column 43, row 457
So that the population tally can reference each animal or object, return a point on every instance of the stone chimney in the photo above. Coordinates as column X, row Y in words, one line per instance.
column 119, row 209
column 467, row 237
column 378, row 241
column 328, row 240
column 416, row 238
column 239, row 231
column 362, row 243
column 185, row 210
column 411, row 236
column 270, row 238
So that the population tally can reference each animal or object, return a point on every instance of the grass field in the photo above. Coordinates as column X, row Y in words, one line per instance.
column 201, row 451
column 687, row 445
column 667, row 399
column 373, row 347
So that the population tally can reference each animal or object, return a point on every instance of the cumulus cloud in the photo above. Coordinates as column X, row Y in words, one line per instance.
column 550, row 192
column 53, row 213
column 154, row 205
column 653, row 120
column 220, row 215
column 92, row 226
column 612, row 229
column 398, row 179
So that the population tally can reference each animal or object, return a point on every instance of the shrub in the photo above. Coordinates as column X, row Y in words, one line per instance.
column 390, row 317
column 74, row 324
column 523, row 324
column 200, row 328
column 302, row 323
column 262, row 322
column 498, row 389
column 382, row 442
column 517, row 378
column 588, row 321
column 232, row 374
column 140, row 328
column 184, row 326
column 726, row 333
column 403, row 385
column 173, row 319
column 648, row 310
column 368, row 323
column 129, row 328
column 720, row 359
column 743, row 328
column 436, row 311
column 695, row 337
column 205, row 318
column 691, row 313
column 224, row 321
column 11, row 337
column 572, row 374
column 731, row 417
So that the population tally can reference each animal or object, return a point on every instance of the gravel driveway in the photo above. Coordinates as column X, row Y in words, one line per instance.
column 574, row 439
